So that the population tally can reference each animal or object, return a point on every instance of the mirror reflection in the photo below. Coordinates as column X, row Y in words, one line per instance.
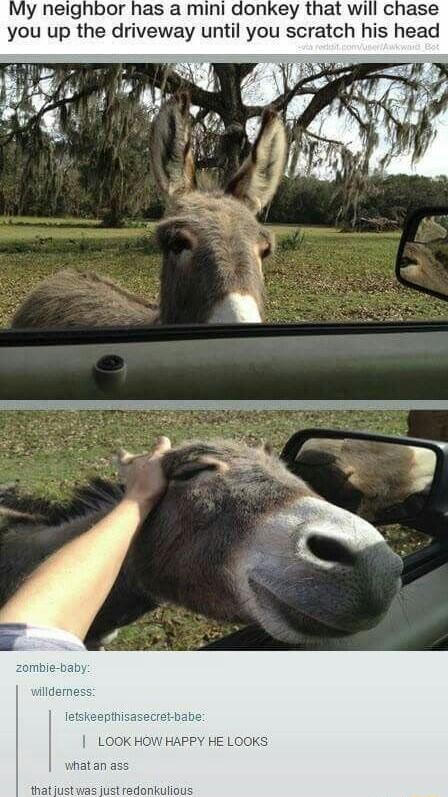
column 381, row 482
column 425, row 258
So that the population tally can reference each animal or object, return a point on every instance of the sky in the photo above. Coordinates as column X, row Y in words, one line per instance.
column 435, row 161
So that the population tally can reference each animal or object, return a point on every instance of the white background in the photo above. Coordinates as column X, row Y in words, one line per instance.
column 157, row 48
column 340, row 724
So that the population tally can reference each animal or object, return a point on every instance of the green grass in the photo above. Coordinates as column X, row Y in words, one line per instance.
column 332, row 276
column 50, row 452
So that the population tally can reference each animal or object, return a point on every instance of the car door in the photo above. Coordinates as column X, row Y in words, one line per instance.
column 379, row 361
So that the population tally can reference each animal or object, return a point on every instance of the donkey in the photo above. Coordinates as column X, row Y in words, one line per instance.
column 425, row 265
column 373, row 479
column 237, row 537
column 212, row 243
column 430, row 231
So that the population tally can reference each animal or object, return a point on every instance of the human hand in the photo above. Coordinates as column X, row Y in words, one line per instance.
column 143, row 476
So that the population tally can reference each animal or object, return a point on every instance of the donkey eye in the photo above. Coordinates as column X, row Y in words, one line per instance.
column 180, row 242
column 190, row 471
column 265, row 249
column 408, row 261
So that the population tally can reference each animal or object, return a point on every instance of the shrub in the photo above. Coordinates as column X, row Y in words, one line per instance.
column 291, row 241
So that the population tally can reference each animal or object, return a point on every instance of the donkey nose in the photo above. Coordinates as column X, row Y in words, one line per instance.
column 331, row 550
column 362, row 577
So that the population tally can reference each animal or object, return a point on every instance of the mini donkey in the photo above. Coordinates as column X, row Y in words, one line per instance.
column 422, row 265
column 212, row 243
column 236, row 537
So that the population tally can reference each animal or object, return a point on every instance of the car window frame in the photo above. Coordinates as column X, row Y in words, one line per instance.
column 60, row 337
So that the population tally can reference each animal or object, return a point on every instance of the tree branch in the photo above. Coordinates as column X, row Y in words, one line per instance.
column 330, row 92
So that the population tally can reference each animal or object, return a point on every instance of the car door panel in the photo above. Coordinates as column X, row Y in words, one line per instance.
column 371, row 361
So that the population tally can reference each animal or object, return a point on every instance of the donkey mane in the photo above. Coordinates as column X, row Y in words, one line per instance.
column 17, row 506
column 99, row 494
column 20, row 508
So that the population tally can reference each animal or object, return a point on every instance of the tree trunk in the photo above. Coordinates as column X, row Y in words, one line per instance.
column 233, row 148
column 113, row 218
column 429, row 424
column 234, row 144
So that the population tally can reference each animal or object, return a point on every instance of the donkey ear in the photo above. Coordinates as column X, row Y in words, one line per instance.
column 257, row 180
column 172, row 160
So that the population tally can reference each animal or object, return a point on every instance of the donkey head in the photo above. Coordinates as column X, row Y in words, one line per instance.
column 238, row 537
column 213, row 245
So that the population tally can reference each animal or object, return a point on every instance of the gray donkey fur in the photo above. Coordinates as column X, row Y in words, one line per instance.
column 212, row 243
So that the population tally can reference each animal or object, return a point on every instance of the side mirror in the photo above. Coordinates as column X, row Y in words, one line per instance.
column 422, row 261
column 382, row 479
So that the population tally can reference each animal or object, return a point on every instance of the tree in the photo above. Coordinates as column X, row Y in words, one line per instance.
column 116, row 178
column 402, row 100
column 303, row 200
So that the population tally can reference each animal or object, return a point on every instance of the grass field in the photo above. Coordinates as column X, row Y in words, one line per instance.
column 49, row 452
column 332, row 276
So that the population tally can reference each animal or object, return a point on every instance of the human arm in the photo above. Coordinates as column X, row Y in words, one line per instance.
column 69, row 588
